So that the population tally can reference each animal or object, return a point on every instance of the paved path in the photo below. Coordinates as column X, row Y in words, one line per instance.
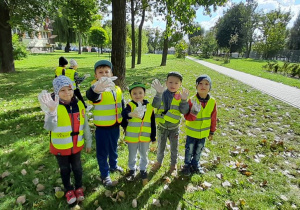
column 285, row 93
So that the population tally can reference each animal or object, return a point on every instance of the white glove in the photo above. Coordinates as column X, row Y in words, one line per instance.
column 104, row 84
column 184, row 93
column 139, row 111
column 157, row 86
column 196, row 108
column 47, row 103
column 86, row 76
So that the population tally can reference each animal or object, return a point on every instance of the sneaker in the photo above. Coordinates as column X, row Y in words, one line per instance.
column 79, row 194
column 71, row 198
column 106, row 181
column 130, row 175
column 197, row 170
column 186, row 170
column 173, row 169
column 155, row 166
column 118, row 168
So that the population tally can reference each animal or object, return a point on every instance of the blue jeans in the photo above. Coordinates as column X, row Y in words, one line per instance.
column 106, row 147
column 193, row 149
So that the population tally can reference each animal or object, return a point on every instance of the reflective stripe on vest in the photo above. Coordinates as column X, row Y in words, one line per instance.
column 139, row 130
column 61, row 136
column 173, row 115
column 68, row 73
column 108, row 110
column 200, row 127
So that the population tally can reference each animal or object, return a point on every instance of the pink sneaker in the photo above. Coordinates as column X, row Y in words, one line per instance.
column 79, row 194
column 71, row 198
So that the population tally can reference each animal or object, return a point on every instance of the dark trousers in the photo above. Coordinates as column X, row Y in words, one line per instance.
column 79, row 96
column 193, row 150
column 66, row 164
column 106, row 147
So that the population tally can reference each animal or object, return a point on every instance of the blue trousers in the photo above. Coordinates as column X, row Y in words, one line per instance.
column 193, row 149
column 106, row 148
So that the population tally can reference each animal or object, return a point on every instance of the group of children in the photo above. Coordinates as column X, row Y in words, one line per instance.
column 66, row 119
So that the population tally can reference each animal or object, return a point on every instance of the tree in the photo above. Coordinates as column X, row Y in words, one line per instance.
column 233, row 23
column 133, row 12
column 209, row 45
column 81, row 14
column 98, row 37
column 195, row 43
column 294, row 37
column 63, row 29
column 178, row 15
column 119, row 41
column 272, row 27
column 23, row 15
column 181, row 48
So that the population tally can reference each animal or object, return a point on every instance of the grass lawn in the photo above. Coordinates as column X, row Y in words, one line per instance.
column 254, row 67
column 253, row 160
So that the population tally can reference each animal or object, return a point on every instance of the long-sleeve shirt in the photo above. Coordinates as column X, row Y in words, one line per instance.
column 125, row 116
column 203, row 101
column 166, row 97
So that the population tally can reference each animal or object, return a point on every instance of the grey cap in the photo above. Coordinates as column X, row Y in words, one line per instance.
column 60, row 82
column 204, row 77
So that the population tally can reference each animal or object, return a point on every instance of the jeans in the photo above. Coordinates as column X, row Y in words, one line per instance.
column 193, row 150
column 163, row 135
column 106, row 147
column 143, row 148
column 66, row 164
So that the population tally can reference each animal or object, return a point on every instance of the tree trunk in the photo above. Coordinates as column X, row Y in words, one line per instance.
column 165, row 52
column 6, row 49
column 79, row 42
column 132, row 35
column 67, row 48
column 118, row 53
column 140, row 37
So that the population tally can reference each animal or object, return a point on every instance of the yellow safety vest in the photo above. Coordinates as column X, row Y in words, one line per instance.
column 200, row 128
column 68, row 73
column 173, row 115
column 108, row 110
column 139, row 130
column 61, row 137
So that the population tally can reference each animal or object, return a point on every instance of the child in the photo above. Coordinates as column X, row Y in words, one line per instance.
column 170, row 105
column 62, row 63
column 200, row 124
column 140, row 129
column 67, row 122
column 108, row 101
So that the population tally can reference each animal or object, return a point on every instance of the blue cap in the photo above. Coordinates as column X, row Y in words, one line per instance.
column 103, row 63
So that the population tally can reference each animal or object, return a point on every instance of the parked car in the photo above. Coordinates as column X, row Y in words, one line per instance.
column 94, row 49
column 84, row 49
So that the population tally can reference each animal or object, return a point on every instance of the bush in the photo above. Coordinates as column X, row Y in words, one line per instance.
column 180, row 49
column 295, row 70
column 19, row 49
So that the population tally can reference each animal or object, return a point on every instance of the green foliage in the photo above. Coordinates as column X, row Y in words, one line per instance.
column 285, row 69
column 19, row 49
column 128, row 46
column 273, row 29
column 98, row 36
column 209, row 45
column 195, row 44
column 294, row 36
column 181, row 49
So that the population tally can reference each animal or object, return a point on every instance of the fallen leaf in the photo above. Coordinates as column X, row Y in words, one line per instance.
column 231, row 205
column 264, row 183
column 23, row 172
column 206, row 185
column 156, row 202
column 40, row 187
column 76, row 207
column 114, row 183
column 35, row 181
column 41, row 193
column 21, row 199
column 226, row 184
column 96, row 203
column 107, row 193
column 283, row 197
column 134, row 203
column 2, row 194
column 242, row 202
column 5, row 174
column 167, row 180
column 219, row 176
column 121, row 194
column 99, row 208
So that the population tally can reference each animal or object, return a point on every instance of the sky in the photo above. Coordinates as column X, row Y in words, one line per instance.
column 265, row 5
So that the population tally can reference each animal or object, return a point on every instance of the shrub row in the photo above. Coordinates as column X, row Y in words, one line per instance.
column 286, row 69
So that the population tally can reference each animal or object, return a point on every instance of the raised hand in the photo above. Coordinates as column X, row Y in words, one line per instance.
column 157, row 86
column 47, row 103
column 103, row 84
column 196, row 108
column 184, row 93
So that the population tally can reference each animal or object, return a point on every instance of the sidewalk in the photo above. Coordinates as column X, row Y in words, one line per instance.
column 285, row 93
